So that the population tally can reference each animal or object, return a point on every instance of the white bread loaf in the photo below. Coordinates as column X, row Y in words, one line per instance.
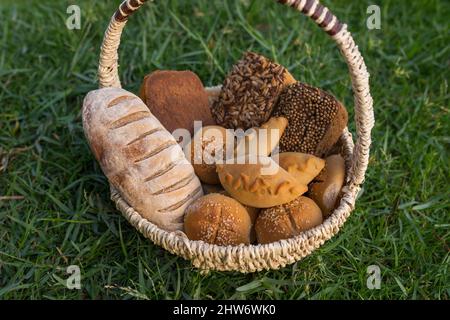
column 140, row 157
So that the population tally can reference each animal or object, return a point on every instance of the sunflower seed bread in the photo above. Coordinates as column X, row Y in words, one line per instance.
column 140, row 158
column 249, row 92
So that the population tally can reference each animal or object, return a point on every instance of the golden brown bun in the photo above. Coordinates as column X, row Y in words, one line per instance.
column 217, row 188
column 259, row 182
column 326, row 188
column 253, row 213
column 218, row 219
column 177, row 99
column 288, row 220
column 271, row 133
column 204, row 147
column 316, row 119
column 304, row 167
column 249, row 92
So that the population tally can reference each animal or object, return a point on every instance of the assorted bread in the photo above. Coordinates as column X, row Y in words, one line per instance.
column 253, row 193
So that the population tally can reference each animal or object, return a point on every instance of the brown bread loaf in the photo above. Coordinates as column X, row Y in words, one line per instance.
column 177, row 99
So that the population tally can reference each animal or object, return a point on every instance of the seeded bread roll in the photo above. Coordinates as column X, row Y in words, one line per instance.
column 249, row 92
column 316, row 119
column 177, row 99
column 326, row 188
column 259, row 182
column 253, row 212
column 140, row 158
column 208, row 145
column 304, row 167
column 263, row 140
column 287, row 221
column 217, row 219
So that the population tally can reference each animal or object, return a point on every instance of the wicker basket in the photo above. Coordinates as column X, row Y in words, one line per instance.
column 251, row 258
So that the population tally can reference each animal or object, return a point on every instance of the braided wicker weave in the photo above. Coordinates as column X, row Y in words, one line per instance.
column 251, row 258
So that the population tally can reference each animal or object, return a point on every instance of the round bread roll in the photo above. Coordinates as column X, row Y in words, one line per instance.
column 288, row 220
column 210, row 144
column 252, row 211
column 214, row 188
column 326, row 188
column 218, row 219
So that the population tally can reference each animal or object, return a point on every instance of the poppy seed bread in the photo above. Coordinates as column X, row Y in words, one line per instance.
column 316, row 119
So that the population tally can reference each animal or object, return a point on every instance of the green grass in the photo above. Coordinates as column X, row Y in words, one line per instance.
column 55, row 209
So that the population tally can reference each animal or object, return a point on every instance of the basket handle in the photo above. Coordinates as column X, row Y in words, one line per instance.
column 364, row 115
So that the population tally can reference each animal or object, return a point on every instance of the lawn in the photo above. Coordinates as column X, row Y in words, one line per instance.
column 54, row 202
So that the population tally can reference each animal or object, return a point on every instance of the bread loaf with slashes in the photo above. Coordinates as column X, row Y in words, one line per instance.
column 140, row 158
